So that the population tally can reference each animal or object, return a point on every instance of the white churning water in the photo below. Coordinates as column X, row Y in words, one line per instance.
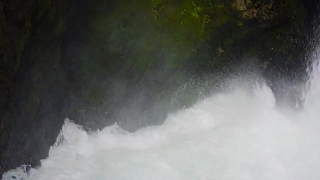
column 239, row 135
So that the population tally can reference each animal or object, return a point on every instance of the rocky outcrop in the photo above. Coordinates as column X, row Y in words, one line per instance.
column 115, row 57
column 29, row 56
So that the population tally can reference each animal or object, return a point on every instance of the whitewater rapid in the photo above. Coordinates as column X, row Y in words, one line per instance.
column 239, row 135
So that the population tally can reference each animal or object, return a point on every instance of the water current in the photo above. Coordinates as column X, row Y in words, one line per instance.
column 238, row 135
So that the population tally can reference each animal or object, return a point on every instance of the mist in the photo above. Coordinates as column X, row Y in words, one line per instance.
column 117, row 72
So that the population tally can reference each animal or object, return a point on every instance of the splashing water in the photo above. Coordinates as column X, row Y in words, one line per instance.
column 232, row 136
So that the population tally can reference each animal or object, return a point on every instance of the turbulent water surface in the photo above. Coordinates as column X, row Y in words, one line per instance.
column 232, row 136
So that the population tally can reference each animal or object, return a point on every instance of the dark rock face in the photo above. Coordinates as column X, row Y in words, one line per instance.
column 102, row 61
column 30, row 38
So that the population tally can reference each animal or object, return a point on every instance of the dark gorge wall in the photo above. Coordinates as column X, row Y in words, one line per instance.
column 30, row 81
column 101, row 61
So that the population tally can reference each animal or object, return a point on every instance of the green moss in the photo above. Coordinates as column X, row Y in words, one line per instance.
column 185, row 19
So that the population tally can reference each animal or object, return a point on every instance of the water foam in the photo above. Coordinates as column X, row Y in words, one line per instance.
column 236, row 135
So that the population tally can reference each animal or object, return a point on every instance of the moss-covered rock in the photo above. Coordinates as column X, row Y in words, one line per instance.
column 143, row 42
